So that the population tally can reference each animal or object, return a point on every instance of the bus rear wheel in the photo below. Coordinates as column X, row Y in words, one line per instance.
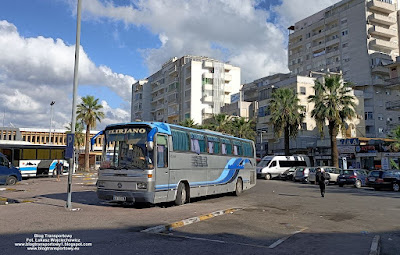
column 181, row 195
column 239, row 187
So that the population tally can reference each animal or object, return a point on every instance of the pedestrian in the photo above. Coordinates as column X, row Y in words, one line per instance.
column 320, row 179
column 59, row 168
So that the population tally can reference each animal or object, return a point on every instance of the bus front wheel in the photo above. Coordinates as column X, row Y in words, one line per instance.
column 181, row 195
column 239, row 187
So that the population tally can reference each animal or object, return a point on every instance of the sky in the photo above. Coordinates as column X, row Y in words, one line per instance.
column 123, row 41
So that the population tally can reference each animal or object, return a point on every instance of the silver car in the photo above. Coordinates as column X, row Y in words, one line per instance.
column 332, row 171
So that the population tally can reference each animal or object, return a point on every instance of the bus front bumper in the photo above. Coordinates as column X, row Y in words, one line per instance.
column 125, row 196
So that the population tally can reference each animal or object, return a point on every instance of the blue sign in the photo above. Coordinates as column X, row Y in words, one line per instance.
column 69, row 151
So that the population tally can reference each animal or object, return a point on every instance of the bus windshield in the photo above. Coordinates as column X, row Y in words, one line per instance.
column 125, row 148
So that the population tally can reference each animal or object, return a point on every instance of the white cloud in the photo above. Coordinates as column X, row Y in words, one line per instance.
column 291, row 11
column 240, row 30
column 34, row 71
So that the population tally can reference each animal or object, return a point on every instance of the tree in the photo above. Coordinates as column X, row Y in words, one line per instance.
column 332, row 103
column 89, row 112
column 243, row 128
column 188, row 123
column 286, row 114
column 395, row 135
column 220, row 122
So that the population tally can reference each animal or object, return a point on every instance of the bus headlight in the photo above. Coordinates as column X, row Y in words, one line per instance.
column 142, row 185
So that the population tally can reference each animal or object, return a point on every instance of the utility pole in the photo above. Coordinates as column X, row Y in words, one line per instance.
column 51, row 119
column 74, row 98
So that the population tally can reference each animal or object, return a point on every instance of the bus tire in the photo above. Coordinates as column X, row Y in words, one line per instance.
column 11, row 180
column 239, row 187
column 181, row 194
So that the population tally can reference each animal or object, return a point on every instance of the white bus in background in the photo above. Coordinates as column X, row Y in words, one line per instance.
column 34, row 159
column 273, row 166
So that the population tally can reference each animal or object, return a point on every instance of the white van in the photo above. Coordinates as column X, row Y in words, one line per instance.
column 273, row 166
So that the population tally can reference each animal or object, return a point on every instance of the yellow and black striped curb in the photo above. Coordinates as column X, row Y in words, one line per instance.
column 177, row 224
column 4, row 200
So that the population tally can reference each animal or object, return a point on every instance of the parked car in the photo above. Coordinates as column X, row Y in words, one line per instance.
column 273, row 166
column 9, row 175
column 356, row 177
column 301, row 174
column 384, row 179
column 374, row 176
column 330, row 171
column 288, row 174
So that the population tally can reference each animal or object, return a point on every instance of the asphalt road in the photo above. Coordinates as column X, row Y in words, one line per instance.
column 275, row 217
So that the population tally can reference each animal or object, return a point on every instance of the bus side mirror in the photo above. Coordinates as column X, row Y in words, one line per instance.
column 150, row 145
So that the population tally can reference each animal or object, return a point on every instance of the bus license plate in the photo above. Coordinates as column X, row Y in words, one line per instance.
column 118, row 198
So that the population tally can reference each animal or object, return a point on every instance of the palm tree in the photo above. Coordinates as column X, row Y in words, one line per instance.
column 286, row 114
column 395, row 135
column 220, row 122
column 79, row 136
column 188, row 123
column 89, row 113
column 244, row 128
column 333, row 103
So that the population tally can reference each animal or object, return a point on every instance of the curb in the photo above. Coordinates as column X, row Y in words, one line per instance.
column 375, row 246
column 177, row 224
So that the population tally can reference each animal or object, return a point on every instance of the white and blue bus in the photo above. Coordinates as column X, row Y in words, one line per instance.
column 157, row 162
column 34, row 159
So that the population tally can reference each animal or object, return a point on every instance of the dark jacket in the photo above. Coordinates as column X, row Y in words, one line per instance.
column 320, row 177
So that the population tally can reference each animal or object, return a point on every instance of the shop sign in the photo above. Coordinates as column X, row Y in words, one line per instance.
column 385, row 163
column 346, row 149
column 366, row 148
column 391, row 154
column 349, row 141
column 366, row 155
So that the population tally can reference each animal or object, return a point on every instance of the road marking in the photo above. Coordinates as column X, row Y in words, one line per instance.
column 375, row 246
column 285, row 238
column 177, row 224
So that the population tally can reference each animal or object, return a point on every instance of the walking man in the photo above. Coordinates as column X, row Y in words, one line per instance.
column 59, row 168
column 320, row 178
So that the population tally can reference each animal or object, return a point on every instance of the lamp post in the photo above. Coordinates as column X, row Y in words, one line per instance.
column 51, row 118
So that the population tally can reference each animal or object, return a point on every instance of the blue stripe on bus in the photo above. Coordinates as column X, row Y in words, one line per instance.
column 229, row 174
column 28, row 168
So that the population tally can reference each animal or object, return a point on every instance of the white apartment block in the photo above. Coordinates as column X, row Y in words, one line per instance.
column 309, row 136
column 357, row 37
column 192, row 87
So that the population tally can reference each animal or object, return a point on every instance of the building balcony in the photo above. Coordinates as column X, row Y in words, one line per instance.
column 368, row 95
column 208, row 75
column 160, row 107
column 228, row 89
column 208, row 86
column 332, row 42
column 380, row 70
column 208, row 64
column 207, row 111
column 393, row 83
column 382, row 19
column 173, row 112
column 379, row 44
column 228, row 77
column 173, row 71
column 380, row 6
column 381, row 31
column 207, row 99
column 393, row 105
column 227, row 67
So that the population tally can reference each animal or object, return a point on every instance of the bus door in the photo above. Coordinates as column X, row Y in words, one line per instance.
column 162, row 168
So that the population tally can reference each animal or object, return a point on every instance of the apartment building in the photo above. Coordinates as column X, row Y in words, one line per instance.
column 309, row 137
column 359, row 38
column 192, row 87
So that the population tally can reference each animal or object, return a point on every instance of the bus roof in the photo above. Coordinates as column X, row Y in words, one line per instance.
column 166, row 128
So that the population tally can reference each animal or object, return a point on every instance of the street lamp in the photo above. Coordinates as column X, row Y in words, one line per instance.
column 51, row 118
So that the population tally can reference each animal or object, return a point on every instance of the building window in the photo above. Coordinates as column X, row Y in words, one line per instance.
column 380, row 130
column 304, row 126
column 343, row 21
column 302, row 90
column 380, row 117
column 369, row 116
column 368, row 129
column 345, row 32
